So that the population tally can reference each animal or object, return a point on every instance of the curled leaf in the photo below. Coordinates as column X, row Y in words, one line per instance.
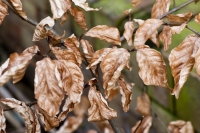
column 64, row 18
column 3, row 11
column 152, row 67
column 181, row 62
column 79, row 17
column 84, row 5
column 53, row 39
column 16, row 65
column 179, row 18
column 197, row 18
column 32, row 124
column 128, row 33
column 136, row 2
column 87, row 50
column 166, row 37
column 2, row 121
column 106, row 33
column 143, row 105
column 142, row 126
column 180, row 126
column 178, row 29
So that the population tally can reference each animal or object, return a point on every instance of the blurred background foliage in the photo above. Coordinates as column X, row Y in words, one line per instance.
column 16, row 35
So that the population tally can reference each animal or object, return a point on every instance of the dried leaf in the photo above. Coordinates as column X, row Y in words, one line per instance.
column 144, row 125
column 127, row 12
column 145, row 31
column 196, row 55
column 197, row 18
column 128, row 33
column 87, row 50
column 79, row 17
column 48, row 121
column 32, row 124
column 84, row 5
column 180, row 126
column 160, row 8
column 72, row 44
column 2, row 121
column 125, row 90
column 64, row 18
column 105, row 127
column 53, row 39
column 135, row 3
column 138, row 21
column 3, row 11
column 17, row 5
column 196, row 47
column 181, row 62
column 99, row 109
column 178, row 29
column 166, row 37
column 40, row 31
column 106, row 33
column 81, row 109
column 59, row 7
column 114, row 92
column 143, row 105
column 16, row 65
column 179, row 18
column 92, row 131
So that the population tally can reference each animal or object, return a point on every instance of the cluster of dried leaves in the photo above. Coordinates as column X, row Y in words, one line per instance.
column 60, row 80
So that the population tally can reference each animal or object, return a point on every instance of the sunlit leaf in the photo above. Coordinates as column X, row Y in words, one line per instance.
column 84, row 5
column 128, row 33
column 197, row 18
column 180, row 126
column 3, row 11
column 179, row 18
column 178, row 29
column 142, row 126
column 166, row 37
column 143, row 105
column 2, row 121
column 136, row 2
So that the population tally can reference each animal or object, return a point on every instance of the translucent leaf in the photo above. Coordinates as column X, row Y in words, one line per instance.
column 152, row 67
column 181, row 62
column 143, row 105
column 106, row 33
column 136, row 2
column 197, row 18
column 79, row 17
column 3, row 11
column 84, row 5
column 180, row 126
column 128, row 33
column 179, row 18
column 142, row 126
column 16, row 65
column 160, row 8
column 2, row 121
column 178, row 29
column 30, row 118
column 166, row 37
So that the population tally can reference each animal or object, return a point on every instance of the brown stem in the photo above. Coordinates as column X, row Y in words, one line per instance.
column 27, row 104
column 198, row 33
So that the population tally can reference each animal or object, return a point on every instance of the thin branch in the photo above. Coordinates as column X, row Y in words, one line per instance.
column 198, row 33
column 27, row 104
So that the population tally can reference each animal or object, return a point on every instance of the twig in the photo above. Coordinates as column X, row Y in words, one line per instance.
column 198, row 33
column 27, row 104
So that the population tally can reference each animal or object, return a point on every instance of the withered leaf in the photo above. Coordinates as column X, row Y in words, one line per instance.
column 106, row 33
column 2, row 121
column 114, row 91
column 87, row 50
column 196, row 55
column 3, row 11
column 64, row 18
column 84, row 5
column 99, row 109
column 136, row 2
column 16, row 65
column 197, row 18
column 126, row 92
column 143, row 105
column 79, row 17
column 128, row 33
column 127, row 12
column 152, row 67
column 53, row 39
column 145, row 31
column 40, row 31
column 81, row 108
column 32, row 124
column 179, row 18
column 17, row 5
column 48, row 121
column 166, row 37
column 144, row 125
column 160, row 8
column 180, row 126
column 59, row 7
column 105, row 127
column 178, row 29
column 181, row 62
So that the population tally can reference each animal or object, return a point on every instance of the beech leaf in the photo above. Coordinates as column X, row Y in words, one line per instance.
column 142, row 126
column 146, row 30
column 105, row 127
column 128, row 33
column 3, row 11
column 30, row 118
column 143, row 105
column 16, row 65
column 179, row 18
column 197, row 18
column 181, row 62
column 136, row 2
column 106, row 33
column 53, row 39
column 64, row 18
column 152, row 67
column 180, row 126
column 178, row 29
column 79, row 17
column 160, row 8
column 166, row 37
column 84, row 5
column 196, row 55
column 2, row 121
column 87, row 50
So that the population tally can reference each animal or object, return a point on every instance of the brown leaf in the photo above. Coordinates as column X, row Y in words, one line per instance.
column 128, row 33
column 40, row 31
column 138, row 21
column 79, row 17
column 84, row 5
column 53, row 39
column 48, row 121
column 160, row 8
column 127, row 12
column 3, row 11
column 92, row 131
column 64, row 18
column 196, row 55
column 178, row 29
column 179, row 18
column 196, row 47
column 81, row 108
column 143, row 105
column 72, row 44
column 197, row 18
column 32, row 124
column 87, row 50
column 166, row 37
column 181, row 62
column 2, row 121
column 146, row 30
column 17, row 5
column 16, row 65
column 135, row 3
column 152, row 67
column 180, row 126
column 99, row 109
column 59, row 7
column 125, row 90
column 105, row 127
column 142, row 126
column 106, row 33
column 114, row 92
